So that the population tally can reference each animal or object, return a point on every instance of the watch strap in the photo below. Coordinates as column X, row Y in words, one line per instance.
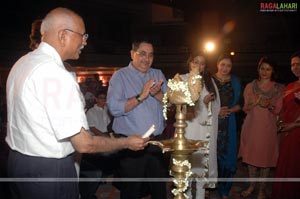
column 138, row 98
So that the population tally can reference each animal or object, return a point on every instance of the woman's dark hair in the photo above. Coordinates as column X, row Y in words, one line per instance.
column 206, row 76
column 35, row 35
column 267, row 60
column 224, row 56
column 296, row 54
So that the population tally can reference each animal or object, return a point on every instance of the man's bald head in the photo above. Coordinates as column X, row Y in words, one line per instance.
column 59, row 18
column 54, row 27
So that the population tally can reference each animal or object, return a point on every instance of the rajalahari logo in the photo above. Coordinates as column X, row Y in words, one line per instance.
column 278, row 7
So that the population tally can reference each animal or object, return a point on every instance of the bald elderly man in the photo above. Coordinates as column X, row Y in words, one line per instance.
column 46, row 118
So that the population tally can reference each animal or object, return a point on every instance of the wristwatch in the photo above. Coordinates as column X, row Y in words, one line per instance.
column 138, row 98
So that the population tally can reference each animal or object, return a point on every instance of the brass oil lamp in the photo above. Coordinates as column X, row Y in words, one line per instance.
column 181, row 93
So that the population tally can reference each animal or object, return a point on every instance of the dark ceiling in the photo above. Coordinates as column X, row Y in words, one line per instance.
column 111, row 24
column 17, row 15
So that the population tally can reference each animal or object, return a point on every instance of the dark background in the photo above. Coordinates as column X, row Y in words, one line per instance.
column 112, row 24
column 236, row 25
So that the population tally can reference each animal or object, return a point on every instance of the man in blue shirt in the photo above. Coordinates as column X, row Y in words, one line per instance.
column 134, row 98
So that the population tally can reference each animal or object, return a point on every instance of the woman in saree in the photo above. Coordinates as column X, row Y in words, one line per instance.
column 288, row 165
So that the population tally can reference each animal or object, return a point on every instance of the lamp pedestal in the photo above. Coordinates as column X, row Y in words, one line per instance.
column 180, row 149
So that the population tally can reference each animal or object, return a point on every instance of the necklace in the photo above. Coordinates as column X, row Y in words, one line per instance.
column 222, row 80
column 264, row 85
column 274, row 91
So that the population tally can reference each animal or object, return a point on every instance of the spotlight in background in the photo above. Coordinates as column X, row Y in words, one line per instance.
column 209, row 46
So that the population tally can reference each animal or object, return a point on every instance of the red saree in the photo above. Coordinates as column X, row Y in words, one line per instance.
column 288, row 166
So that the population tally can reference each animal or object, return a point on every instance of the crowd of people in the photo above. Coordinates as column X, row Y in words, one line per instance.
column 50, row 117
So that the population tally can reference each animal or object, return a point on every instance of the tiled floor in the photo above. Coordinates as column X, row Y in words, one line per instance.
column 106, row 191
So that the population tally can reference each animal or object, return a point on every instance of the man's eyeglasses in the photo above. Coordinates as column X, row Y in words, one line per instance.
column 84, row 36
column 144, row 54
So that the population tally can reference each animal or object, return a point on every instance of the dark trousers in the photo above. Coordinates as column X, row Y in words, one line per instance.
column 94, row 166
column 135, row 167
column 50, row 177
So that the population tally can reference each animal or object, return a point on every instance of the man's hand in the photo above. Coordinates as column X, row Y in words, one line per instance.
column 146, row 89
column 151, row 88
column 156, row 88
column 136, row 142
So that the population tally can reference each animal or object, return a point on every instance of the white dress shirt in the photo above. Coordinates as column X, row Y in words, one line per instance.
column 98, row 117
column 44, row 105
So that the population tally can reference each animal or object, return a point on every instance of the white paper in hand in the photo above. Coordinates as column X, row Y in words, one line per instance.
column 149, row 132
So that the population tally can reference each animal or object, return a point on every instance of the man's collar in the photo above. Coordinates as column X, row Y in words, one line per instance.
column 137, row 71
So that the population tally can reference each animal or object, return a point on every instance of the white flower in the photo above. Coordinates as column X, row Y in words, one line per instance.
column 182, row 86
column 184, row 180
column 165, row 104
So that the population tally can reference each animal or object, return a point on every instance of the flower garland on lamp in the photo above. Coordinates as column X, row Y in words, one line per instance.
column 181, row 183
column 182, row 91
column 180, row 87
